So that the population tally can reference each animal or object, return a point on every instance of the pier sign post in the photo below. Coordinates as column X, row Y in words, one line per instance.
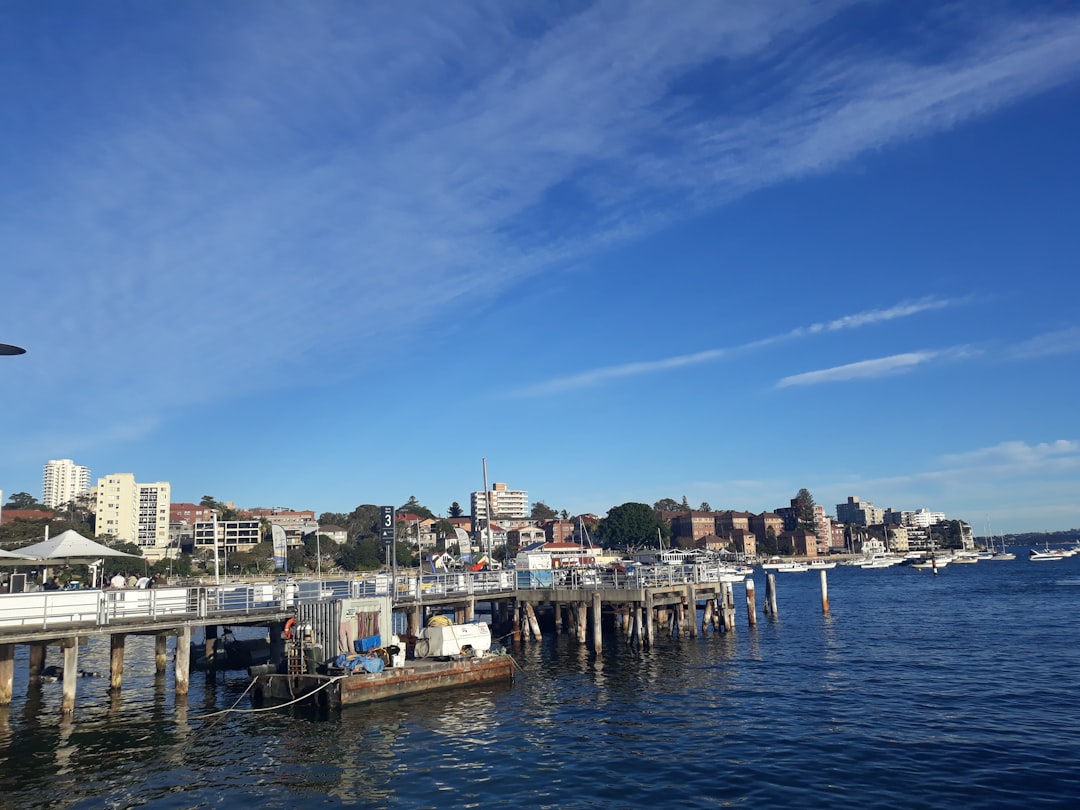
column 387, row 528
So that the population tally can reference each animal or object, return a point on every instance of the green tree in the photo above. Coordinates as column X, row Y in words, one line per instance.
column 632, row 524
column 769, row 546
column 414, row 507
column 350, row 557
column 363, row 522
column 23, row 500
column 564, row 515
column 541, row 511
column 667, row 505
column 685, row 506
column 456, row 510
column 804, row 507
column 704, row 507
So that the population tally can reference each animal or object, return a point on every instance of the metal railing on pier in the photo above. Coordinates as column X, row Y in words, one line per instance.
column 45, row 610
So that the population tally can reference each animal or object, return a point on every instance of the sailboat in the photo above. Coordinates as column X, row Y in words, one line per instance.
column 999, row 554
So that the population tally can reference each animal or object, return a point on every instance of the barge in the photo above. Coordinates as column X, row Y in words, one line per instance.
column 335, row 691
column 365, row 665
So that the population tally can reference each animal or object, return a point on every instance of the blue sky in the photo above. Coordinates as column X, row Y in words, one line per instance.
column 324, row 254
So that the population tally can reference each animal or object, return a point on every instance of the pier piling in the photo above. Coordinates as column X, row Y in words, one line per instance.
column 824, row 591
column 183, row 659
column 7, row 673
column 71, row 675
column 117, row 642
column 751, row 605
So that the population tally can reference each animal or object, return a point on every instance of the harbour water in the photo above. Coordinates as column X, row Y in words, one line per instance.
column 916, row 691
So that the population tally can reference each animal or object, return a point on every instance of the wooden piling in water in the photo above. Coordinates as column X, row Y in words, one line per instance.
column 183, row 659
column 751, row 604
column 516, row 631
column 71, row 675
column 597, row 623
column 650, row 626
column 770, row 595
column 824, row 591
column 534, row 625
column 37, row 660
column 582, row 621
column 117, row 641
column 161, row 648
column 707, row 616
column 7, row 673
column 691, row 610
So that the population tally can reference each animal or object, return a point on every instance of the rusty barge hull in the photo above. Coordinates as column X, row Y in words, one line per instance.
column 417, row 677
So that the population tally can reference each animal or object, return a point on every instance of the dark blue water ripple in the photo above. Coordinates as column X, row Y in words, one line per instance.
column 914, row 692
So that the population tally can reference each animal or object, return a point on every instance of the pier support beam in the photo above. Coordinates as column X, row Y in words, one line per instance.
column 183, row 659
column 117, row 642
column 7, row 673
column 37, row 660
column 650, row 625
column 161, row 649
column 770, row 596
column 691, row 610
column 824, row 591
column 470, row 609
column 71, row 675
column 751, row 603
column 597, row 624
column 557, row 607
column 517, row 622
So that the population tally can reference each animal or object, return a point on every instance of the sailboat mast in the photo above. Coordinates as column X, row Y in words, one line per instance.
column 487, row 510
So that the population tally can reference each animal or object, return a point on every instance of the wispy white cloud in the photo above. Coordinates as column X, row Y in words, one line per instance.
column 1017, row 456
column 878, row 367
column 594, row 377
column 1062, row 341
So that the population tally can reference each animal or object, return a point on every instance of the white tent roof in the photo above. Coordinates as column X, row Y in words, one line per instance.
column 72, row 547
column 13, row 555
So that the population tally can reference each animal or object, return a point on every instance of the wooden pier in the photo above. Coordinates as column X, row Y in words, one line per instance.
column 579, row 602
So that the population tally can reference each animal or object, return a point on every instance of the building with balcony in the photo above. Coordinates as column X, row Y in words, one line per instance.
column 63, row 481
column 129, row 511
column 500, row 502
column 859, row 513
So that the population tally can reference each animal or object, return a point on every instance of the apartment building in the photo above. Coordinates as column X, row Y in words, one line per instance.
column 859, row 513
column 232, row 535
column 689, row 527
column 63, row 481
column 129, row 511
column 500, row 502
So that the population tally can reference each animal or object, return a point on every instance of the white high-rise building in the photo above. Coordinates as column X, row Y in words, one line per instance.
column 504, row 503
column 63, row 481
column 133, row 512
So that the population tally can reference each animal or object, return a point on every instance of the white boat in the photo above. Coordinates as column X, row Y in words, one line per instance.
column 933, row 561
column 1047, row 555
column 821, row 565
column 780, row 564
column 879, row 560
column 965, row 557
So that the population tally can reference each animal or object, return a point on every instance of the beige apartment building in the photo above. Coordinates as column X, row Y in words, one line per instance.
column 132, row 512
column 502, row 502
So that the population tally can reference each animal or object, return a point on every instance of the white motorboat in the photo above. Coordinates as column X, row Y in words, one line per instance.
column 1047, row 555
column 780, row 564
column 821, row 565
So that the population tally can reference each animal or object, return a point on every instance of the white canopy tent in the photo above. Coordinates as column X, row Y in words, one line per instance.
column 16, row 556
column 71, row 547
